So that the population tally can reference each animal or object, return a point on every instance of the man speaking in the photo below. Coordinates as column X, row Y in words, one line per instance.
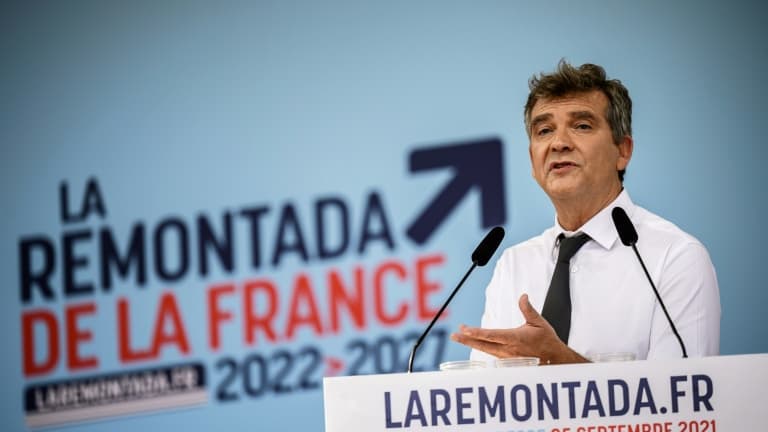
column 576, row 290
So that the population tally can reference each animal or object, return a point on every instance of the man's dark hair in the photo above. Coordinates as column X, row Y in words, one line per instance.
column 568, row 80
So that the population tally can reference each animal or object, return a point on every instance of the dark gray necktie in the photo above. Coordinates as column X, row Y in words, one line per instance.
column 557, row 306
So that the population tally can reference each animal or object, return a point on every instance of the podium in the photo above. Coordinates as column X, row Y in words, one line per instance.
column 710, row 394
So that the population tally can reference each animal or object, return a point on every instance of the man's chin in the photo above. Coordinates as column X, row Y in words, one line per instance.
column 561, row 190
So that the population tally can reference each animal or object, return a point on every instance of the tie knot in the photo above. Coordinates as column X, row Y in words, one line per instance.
column 570, row 245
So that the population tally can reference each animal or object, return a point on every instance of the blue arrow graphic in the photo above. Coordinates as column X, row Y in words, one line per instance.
column 476, row 163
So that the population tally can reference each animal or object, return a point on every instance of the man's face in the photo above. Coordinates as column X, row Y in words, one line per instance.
column 573, row 155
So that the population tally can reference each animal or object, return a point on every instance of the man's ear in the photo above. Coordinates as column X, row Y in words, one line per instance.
column 530, row 157
column 625, row 152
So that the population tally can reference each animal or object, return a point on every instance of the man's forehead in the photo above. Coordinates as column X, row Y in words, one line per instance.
column 593, row 101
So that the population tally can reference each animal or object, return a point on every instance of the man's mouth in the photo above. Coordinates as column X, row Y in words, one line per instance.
column 554, row 166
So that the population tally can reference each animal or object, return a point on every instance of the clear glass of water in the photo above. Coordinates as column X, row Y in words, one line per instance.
column 462, row 365
column 517, row 362
column 611, row 357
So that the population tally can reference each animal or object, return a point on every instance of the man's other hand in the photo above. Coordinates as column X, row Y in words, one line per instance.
column 535, row 338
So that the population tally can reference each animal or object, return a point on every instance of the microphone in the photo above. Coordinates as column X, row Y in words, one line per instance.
column 628, row 236
column 480, row 257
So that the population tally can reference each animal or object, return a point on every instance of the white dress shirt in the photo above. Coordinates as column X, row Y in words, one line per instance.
column 614, row 308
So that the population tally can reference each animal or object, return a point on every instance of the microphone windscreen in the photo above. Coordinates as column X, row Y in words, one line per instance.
column 488, row 246
column 624, row 226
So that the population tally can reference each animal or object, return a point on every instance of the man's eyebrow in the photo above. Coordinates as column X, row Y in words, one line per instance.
column 582, row 115
column 540, row 119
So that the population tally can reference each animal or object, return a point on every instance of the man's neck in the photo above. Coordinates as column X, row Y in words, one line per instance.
column 572, row 214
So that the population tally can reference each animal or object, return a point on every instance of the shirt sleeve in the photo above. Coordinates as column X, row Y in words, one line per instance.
column 496, row 313
column 688, row 286
column 490, row 314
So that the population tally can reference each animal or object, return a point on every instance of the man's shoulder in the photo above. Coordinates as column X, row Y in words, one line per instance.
column 658, row 229
column 541, row 242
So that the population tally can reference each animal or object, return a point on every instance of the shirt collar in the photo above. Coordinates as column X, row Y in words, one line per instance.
column 600, row 228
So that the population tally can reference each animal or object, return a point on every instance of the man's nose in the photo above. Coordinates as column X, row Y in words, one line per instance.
column 561, row 141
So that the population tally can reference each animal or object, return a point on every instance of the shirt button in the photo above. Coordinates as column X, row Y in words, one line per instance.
column 574, row 268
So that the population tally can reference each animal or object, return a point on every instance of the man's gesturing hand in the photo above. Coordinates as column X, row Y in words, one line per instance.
column 535, row 338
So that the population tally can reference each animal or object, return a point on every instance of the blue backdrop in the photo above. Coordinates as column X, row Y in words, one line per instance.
column 282, row 133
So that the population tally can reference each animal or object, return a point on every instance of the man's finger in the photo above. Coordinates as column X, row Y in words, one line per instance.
column 491, row 348
column 488, row 335
column 530, row 314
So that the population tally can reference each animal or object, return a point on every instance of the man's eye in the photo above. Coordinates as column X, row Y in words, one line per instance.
column 543, row 131
column 583, row 126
